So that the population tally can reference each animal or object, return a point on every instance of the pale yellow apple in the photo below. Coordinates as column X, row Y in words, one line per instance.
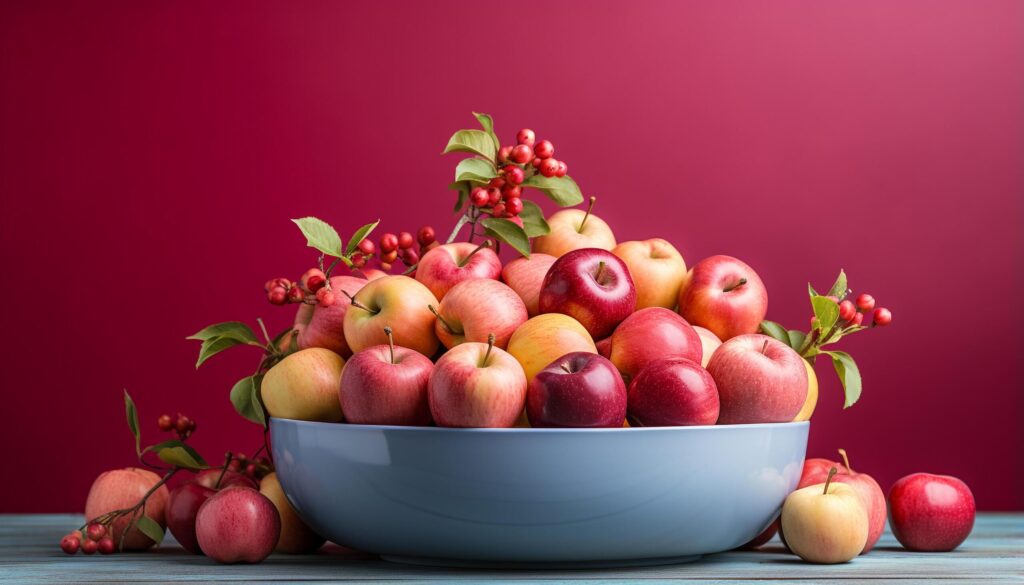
column 399, row 302
column 709, row 342
column 304, row 386
column 812, row 394
column 658, row 270
column 825, row 522
column 545, row 338
column 296, row 537
column 570, row 232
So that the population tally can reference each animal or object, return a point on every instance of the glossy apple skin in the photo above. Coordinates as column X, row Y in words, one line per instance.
column 476, row 308
column 123, row 488
column 673, row 392
column 464, row 391
column 545, row 338
column 325, row 326
column 296, row 537
column 756, row 387
column 579, row 389
column 565, row 235
column 931, row 513
column 658, row 271
column 871, row 495
column 824, row 527
column 182, row 506
column 396, row 301
column 238, row 525
column 439, row 268
column 709, row 342
column 304, row 386
column 592, row 286
column 651, row 334
column 375, row 391
column 712, row 297
column 525, row 276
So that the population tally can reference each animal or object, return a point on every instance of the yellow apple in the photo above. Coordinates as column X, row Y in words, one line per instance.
column 296, row 537
column 545, row 338
column 572, row 229
column 812, row 394
column 658, row 270
column 399, row 302
column 305, row 385
column 709, row 343
column 825, row 523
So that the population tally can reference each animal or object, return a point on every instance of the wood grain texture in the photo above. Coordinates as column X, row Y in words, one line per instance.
column 29, row 554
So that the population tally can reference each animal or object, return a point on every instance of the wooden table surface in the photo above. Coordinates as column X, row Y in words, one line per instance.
column 29, row 553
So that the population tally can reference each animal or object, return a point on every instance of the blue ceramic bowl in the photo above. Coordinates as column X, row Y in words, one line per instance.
column 538, row 496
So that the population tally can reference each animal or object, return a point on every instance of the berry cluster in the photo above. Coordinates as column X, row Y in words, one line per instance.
column 255, row 468
column 852, row 312
column 97, row 538
column 180, row 424
column 502, row 196
column 402, row 247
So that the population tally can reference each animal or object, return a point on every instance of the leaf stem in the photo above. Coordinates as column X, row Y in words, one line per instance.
column 265, row 334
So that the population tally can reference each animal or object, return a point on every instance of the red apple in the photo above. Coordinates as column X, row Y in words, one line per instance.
column 759, row 380
column 325, row 326
column 123, row 488
column 525, row 276
column 477, row 385
column 592, row 286
column 579, row 389
column 724, row 295
column 673, row 392
column 709, row 342
column 658, row 271
column 182, row 506
column 238, row 525
column 445, row 266
column 210, row 478
column 932, row 513
column 871, row 495
column 399, row 302
column 604, row 346
column 474, row 309
column 651, row 334
column 386, row 385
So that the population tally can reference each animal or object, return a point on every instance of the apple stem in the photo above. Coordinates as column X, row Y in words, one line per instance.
column 586, row 216
column 490, row 346
column 764, row 347
column 391, row 342
column 441, row 319
column 565, row 366
column 227, row 461
column 484, row 244
column 600, row 271
column 828, row 480
column 846, row 460
column 356, row 303
column 735, row 286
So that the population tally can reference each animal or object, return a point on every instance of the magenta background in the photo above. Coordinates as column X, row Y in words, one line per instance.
column 152, row 153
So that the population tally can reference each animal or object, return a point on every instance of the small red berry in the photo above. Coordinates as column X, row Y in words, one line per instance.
column 235, row 465
column 366, row 247
column 89, row 546
column 503, row 153
column 882, row 317
column 251, row 469
column 847, row 310
column 526, row 136
column 865, row 303
column 405, row 240
column 857, row 319
column 478, row 197
column 521, row 154
column 536, row 162
column 325, row 297
column 385, row 266
column 69, row 544
column 563, row 169
column 191, row 426
column 498, row 210
column 164, row 422
column 95, row 531
column 513, row 206
column 389, row 257
column 278, row 296
column 493, row 196
column 426, row 235
column 549, row 167
column 388, row 242
column 295, row 295
column 358, row 260
column 496, row 182
column 182, row 424
column 513, row 174
column 310, row 276
column 410, row 257
column 106, row 546
column 544, row 149
column 511, row 191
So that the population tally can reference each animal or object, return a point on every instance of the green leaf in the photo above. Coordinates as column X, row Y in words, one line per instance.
column 508, row 232
column 838, row 289
column 810, row 291
column 234, row 329
column 562, row 190
column 796, row 338
column 462, row 188
column 487, row 123
column 150, row 528
column 774, row 330
column 359, row 236
column 245, row 396
column 849, row 375
column 475, row 141
column 212, row 347
column 826, row 311
column 533, row 219
column 177, row 453
column 475, row 170
column 320, row 235
column 133, row 420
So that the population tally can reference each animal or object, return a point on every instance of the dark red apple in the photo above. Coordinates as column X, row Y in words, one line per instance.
column 579, row 389
column 673, row 392
column 932, row 513
column 182, row 507
column 592, row 286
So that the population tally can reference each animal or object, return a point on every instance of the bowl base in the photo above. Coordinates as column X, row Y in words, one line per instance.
column 469, row 564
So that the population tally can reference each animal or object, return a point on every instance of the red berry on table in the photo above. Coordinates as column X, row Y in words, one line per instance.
column 493, row 196
column 389, row 257
column 536, row 162
column 503, row 153
column 544, row 149
column 69, row 544
column 513, row 206
column 882, row 317
column 549, row 167
column 366, row 247
column 521, row 154
column 865, row 303
column 514, row 175
column 89, row 546
column 847, row 310
column 405, row 241
column 526, row 136
column 164, row 422
column 563, row 169
column 477, row 197
column 95, row 531
column 182, row 424
column 295, row 295
column 106, row 545
column 498, row 209
column 511, row 191
column 426, row 235
column 388, row 242
column 497, row 182
column 410, row 257
column 857, row 319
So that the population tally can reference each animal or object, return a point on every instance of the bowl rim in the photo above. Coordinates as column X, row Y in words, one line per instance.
column 532, row 430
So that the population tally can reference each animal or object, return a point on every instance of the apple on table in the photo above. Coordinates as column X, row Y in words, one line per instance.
column 816, row 470
column 123, row 488
column 184, row 502
column 825, row 523
column 931, row 513
column 238, row 525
